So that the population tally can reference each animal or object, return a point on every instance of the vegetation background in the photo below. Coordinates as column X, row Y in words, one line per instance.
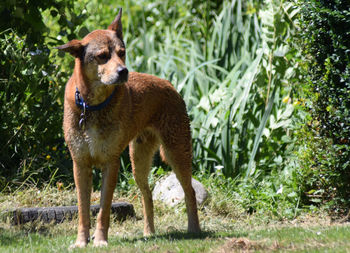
column 266, row 84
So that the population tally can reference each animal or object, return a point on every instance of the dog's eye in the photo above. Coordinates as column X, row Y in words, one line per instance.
column 102, row 56
column 121, row 53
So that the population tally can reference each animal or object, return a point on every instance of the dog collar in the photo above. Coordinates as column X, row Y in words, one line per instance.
column 80, row 102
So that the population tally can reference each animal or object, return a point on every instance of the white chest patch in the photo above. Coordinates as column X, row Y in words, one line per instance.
column 94, row 145
column 97, row 146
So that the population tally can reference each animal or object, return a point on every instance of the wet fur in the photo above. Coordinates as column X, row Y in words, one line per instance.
column 145, row 113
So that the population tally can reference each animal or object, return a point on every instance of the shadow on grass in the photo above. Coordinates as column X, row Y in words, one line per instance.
column 20, row 236
column 177, row 236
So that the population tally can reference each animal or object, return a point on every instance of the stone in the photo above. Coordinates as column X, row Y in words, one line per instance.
column 169, row 191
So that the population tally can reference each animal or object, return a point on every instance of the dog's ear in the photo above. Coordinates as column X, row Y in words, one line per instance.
column 74, row 47
column 116, row 25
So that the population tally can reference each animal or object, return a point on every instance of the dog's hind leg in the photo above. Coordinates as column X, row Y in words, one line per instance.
column 109, row 181
column 176, row 150
column 142, row 149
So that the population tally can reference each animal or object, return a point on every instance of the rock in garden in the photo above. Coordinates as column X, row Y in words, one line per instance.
column 170, row 191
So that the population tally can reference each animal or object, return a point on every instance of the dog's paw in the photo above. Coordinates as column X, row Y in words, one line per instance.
column 100, row 243
column 100, row 238
column 78, row 244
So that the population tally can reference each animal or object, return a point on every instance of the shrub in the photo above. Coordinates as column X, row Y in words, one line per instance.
column 31, row 91
column 31, row 113
column 325, row 27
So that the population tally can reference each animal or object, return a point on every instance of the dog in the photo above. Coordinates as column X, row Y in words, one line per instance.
column 106, row 108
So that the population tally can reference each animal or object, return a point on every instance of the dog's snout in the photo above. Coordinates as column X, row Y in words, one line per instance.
column 122, row 72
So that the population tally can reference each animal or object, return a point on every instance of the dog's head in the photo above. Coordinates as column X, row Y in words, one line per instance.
column 102, row 53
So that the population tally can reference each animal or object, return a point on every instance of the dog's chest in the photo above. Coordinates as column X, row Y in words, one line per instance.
column 98, row 144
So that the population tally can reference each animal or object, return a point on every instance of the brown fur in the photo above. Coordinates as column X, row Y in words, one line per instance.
column 145, row 113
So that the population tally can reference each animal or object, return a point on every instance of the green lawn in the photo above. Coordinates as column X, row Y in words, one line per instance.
column 233, row 232
column 310, row 238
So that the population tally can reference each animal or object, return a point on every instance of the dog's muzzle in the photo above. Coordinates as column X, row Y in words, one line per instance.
column 118, row 76
column 123, row 74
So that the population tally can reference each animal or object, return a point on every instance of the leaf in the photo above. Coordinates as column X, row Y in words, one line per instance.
column 258, row 136
column 246, row 82
column 83, row 32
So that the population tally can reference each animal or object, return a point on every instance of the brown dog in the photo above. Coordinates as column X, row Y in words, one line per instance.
column 105, row 109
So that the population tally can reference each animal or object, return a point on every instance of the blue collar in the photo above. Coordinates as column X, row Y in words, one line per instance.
column 79, row 101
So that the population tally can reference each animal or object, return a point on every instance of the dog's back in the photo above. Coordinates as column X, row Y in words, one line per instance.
column 155, row 103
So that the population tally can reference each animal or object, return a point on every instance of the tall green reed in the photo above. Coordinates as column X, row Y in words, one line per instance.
column 233, row 81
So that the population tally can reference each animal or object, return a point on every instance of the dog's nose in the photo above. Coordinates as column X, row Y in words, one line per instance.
column 123, row 72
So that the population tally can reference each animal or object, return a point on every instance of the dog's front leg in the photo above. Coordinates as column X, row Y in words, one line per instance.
column 83, row 182
column 109, row 181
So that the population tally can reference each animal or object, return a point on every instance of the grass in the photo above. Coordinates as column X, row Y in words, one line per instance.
column 226, row 230
column 278, row 237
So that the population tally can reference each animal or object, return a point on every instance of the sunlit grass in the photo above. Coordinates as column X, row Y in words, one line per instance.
column 226, row 227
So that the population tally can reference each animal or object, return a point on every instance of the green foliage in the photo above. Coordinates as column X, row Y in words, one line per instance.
column 31, row 118
column 26, row 18
column 247, row 105
column 212, row 59
column 227, row 79
column 276, row 195
column 326, row 41
column 31, row 92
column 231, row 61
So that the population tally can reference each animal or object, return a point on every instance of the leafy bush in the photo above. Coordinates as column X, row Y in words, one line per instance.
column 31, row 118
column 26, row 18
column 31, row 92
column 232, row 64
column 325, row 33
